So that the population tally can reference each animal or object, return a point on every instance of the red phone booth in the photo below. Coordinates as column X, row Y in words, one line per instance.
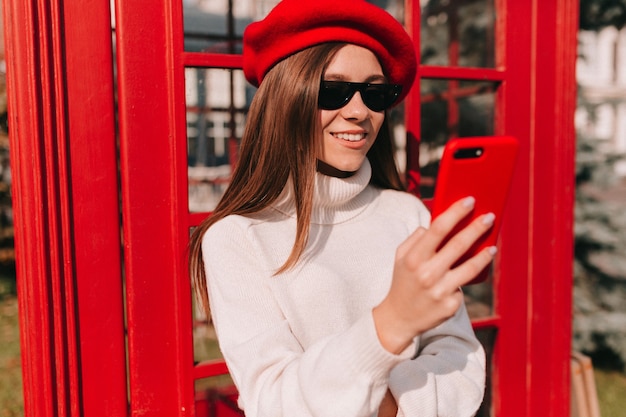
column 123, row 115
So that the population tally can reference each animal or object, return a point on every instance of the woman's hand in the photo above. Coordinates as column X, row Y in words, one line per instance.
column 425, row 290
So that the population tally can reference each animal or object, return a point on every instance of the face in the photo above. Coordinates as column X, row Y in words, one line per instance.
column 349, row 132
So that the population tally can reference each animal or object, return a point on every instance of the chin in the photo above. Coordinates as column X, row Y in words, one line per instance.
column 349, row 165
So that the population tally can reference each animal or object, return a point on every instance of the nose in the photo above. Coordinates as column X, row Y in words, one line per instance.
column 355, row 108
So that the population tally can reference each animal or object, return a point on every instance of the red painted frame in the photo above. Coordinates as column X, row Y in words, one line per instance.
column 154, row 210
column 65, row 200
column 71, row 277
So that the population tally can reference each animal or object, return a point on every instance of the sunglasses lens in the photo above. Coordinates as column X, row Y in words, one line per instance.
column 334, row 94
column 377, row 97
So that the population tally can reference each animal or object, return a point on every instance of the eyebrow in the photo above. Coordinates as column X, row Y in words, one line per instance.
column 342, row 77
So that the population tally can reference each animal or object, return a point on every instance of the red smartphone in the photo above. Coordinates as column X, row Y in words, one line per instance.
column 481, row 167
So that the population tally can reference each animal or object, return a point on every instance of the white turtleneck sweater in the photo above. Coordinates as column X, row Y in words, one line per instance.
column 303, row 343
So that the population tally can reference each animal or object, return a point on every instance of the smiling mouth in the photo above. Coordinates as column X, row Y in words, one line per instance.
column 351, row 137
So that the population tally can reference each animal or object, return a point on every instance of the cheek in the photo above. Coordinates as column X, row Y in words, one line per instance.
column 377, row 121
column 326, row 117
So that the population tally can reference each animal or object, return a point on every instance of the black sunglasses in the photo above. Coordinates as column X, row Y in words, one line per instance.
column 377, row 97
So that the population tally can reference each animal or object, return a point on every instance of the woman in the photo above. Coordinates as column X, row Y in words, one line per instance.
column 328, row 294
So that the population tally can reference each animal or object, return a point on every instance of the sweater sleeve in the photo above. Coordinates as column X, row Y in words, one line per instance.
column 344, row 374
column 447, row 378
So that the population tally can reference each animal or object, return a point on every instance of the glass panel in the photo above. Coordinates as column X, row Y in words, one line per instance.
column 259, row 8
column 393, row 7
column 216, row 25
column 451, row 108
column 458, row 33
column 479, row 299
column 217, row 102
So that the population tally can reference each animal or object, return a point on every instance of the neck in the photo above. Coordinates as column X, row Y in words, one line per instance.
column 331, row 171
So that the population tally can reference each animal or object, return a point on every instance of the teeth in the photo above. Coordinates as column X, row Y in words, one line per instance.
column 350, row 137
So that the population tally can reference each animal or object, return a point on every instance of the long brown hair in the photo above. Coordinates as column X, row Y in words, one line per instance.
column 282, row 138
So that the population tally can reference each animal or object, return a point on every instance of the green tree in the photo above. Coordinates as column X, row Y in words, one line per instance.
column 599, row 324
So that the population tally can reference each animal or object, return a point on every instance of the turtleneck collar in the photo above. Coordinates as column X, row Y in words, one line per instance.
column 336, row 200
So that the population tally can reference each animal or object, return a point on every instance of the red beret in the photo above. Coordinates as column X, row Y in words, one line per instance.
column 294, row 25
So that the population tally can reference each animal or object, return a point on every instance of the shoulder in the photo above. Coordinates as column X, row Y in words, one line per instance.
column 233, row 243
column 232, row 230
column 405, row 205
column 256, row 234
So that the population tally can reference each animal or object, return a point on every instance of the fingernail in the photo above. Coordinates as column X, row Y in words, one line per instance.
column 492, row 250
column 469, row 202
column 489, row 218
